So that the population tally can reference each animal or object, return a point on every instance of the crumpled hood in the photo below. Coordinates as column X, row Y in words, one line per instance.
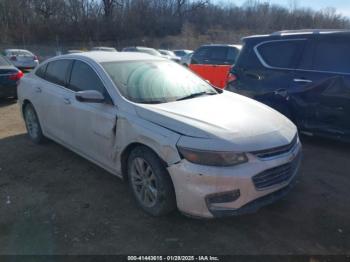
column 226, row 117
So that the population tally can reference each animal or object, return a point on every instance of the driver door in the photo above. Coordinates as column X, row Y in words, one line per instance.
column 92, row 125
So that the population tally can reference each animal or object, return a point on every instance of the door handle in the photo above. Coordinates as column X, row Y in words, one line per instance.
column 282, row 92
column 254, row 76
column 301, row 80
column 66, row 101
column 38, row 90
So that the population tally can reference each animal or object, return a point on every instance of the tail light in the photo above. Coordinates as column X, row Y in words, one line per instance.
column 17, row 76
column 13, row 58
column 231, row 77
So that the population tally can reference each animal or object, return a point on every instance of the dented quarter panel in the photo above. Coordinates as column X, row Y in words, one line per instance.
column 324, row 104
column 131, row 129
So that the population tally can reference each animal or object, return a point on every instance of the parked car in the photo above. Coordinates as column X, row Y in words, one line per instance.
column 186, row 60
column 182, row 52
column 104, row 48
column 170, row 55
column 22, row 59
column 141, row 49
column 213, row 62
column 74, row 51
column 147, row 120
column 9, row 77
column 303, row 74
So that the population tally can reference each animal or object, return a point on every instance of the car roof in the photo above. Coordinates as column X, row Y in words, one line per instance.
column 101, row 57
column 185, row 50
column 303, row 32
column 16, row 50
column 103, row 47
column 214, row 45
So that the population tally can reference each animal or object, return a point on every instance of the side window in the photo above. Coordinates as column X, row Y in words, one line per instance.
column 232, row 54
column 56, row 71
column 83, row 77
column 332, row 55
column 281, row 54
column 40, row 72
column 201, row 56
column 218, row 55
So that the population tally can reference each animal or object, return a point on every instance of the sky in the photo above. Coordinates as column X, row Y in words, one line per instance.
column 342, row 6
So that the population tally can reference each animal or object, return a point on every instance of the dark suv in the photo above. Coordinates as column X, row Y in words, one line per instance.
column 303, row 74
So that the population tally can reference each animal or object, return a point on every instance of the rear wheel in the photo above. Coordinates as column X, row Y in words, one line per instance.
column 150, row 182
column 32, row 124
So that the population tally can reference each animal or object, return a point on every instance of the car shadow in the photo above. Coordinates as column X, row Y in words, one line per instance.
column 7, row 102
column 83, row 206
column 325, row 143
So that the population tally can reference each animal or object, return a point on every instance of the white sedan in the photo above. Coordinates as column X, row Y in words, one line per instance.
column 176, row 139
column 22, row 59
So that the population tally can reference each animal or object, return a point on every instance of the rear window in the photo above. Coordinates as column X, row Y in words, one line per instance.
column 56, row 71
column 201, row 56
column 19, row 53
column 281, row 54
column 40, row 72
column 215, row 55
column 333, row 56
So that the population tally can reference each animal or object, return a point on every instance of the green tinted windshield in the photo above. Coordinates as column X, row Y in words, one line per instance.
column 155, row 81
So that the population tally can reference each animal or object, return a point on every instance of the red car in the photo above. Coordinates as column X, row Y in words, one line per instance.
column 213, row 62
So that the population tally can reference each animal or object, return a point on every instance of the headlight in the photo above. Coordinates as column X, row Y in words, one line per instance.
column 212, row 158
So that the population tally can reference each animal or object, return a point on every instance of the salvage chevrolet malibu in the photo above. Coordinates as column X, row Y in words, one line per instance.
column 152, row 122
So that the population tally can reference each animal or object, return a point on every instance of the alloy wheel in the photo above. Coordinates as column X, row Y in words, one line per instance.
column 144, row 182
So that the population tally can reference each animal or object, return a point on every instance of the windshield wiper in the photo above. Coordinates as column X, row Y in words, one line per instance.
column 196, row 95
column 152, row 102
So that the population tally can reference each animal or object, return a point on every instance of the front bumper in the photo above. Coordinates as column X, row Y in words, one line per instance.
column 194, row 183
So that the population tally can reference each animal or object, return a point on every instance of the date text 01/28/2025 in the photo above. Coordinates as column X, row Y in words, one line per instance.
column 173, row 258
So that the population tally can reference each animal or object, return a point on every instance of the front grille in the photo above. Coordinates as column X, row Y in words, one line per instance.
column 267, row 153
column 276, row 175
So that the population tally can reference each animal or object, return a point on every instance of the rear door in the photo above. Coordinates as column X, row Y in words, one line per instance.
column 221, row 58
column 322, row 86
column 265, row 71
column 49, row 98
column 200, row 62
column 92, row 125
column 213, row 63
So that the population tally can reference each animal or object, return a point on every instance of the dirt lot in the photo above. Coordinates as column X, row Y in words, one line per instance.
column 55, row 202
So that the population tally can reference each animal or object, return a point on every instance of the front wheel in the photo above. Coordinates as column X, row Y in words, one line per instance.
column 150, row 182
column 32, row 124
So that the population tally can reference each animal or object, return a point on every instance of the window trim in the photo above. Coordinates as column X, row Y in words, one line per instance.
column 205, row 58
column 315, row 44
column 42, row 65
column 70, row 69
column 69, row 76
column 261, row 59
column 47, row 65
column 291, row 69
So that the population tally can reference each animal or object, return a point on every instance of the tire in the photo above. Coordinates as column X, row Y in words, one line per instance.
column 33, row 125
column 150, row 182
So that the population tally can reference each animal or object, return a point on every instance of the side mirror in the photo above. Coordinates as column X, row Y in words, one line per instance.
column 89, row 96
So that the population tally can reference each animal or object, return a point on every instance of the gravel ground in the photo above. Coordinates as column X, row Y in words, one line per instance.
column 52, row 201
